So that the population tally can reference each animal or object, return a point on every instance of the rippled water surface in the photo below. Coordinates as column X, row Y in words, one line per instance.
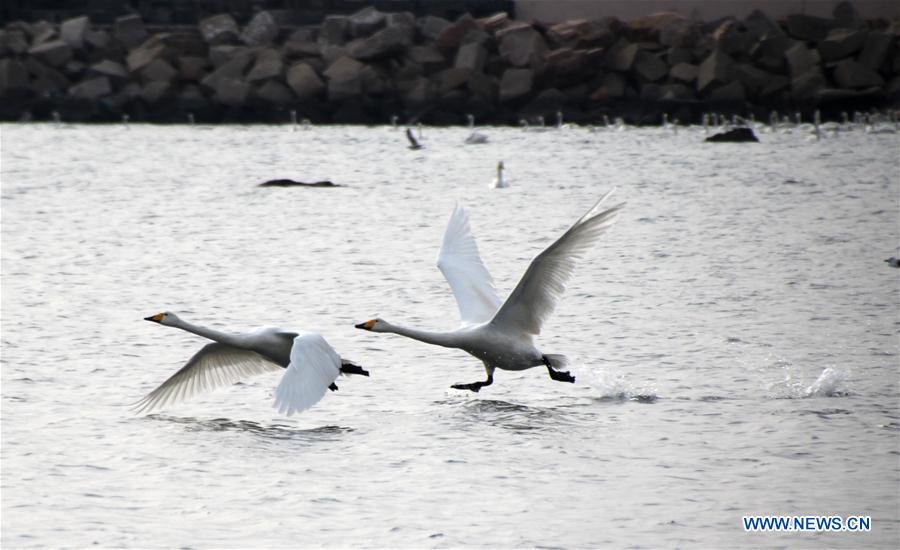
column 735, row 338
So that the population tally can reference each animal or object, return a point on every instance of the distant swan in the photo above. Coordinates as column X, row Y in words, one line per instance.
column 475, row 138
column 499, row 182
column 310, row 365
column 502, row 335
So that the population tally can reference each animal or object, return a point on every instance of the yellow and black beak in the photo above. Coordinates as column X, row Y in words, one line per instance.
column 155, row 318
column 367, row 325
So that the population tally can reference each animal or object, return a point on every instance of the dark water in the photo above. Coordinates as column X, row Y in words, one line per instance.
column 735, row 339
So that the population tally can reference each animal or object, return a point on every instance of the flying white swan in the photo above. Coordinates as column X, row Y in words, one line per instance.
column 310, row 365
column 502, row 335
column 499, row 182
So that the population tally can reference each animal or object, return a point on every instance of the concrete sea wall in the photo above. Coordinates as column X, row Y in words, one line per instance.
column 370, row 66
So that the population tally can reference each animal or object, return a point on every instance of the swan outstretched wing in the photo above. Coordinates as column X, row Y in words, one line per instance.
column 214, row 366
column 539, row 290
column 314, row 366
column 461, row 265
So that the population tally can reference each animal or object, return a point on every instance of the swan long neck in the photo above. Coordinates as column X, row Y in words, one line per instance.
column 445, row 339
column 212, row 334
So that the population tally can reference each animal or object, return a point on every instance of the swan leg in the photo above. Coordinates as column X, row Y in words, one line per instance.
column 559, row 376
column 475, row 386
column 349, row 368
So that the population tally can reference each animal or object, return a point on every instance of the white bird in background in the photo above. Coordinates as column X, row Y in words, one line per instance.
column 499, row 182
column 502, row 335
column 310, row 365
column 475, row 138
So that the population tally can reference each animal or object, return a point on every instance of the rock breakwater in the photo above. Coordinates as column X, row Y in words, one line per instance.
column 371, row 66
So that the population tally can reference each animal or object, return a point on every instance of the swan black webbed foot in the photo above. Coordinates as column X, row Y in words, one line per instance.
column 559, row 376
column 333, row 387
column 474, row 386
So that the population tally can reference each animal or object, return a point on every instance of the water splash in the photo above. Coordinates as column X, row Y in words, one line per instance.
column 831, row 383
column 608, row 385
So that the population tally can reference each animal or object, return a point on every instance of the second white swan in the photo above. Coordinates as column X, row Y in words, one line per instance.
column 502, row 335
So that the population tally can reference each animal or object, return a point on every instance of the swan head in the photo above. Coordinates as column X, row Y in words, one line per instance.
column 374, row 325
column 165, row 318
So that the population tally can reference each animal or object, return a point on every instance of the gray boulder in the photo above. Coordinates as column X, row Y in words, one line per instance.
column 231, row 70
column 54, row 53
column 754, row 79
column 191, row 68
column 43, row 31
column 451, row 36
column 808, row 27
column 365, row 22
column 730, row 39
column 113, row 70
column 304, row 81
column 733, row 92
column 851, row 74
column 484, row 86
column 471, row 56
column 845, row 15
column 98, row 39
column 345, row 79
column 715, row 69
column 875, row 50
column 140, row 57
column 417, row 93
column 223, row 53
column 405, row 18
column 676, row 92
column 494, row 23
column 74, row 31
column 13, row 76
column 566, row 61
column 158, row 70
column 156, row 91
column 49, row 78
column 429, row 58
column 762, row 25
column 130, row 31
column 268, row 65
column 219, row 29
column 520, row 46
column 612, row 86
column 297, row 49
column 92, row 88
column 621, row 56
column 841, row 43
column 261, row 30
column 680, row 33
column 802, row 59
column 515, row 84
column 684, row 72
column 649, row 67
column 272, row 91
column 450, row 79
column 679, row 55
column 334, row 31
column 806, row 86
column 232, row 92
column 15, row 41
column 430, row 26
column 387, row 42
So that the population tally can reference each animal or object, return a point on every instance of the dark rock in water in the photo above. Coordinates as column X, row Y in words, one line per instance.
column 736, row 135
column 292, row 183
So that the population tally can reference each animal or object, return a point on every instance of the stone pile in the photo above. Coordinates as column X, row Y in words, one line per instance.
column 370, row 66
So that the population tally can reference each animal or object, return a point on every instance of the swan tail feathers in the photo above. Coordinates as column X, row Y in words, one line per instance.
column 349, row 368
